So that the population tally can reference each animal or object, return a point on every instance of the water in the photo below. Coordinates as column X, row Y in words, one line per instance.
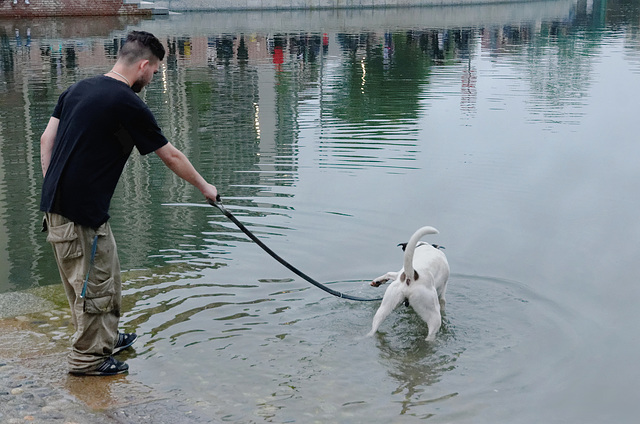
column 333, row 136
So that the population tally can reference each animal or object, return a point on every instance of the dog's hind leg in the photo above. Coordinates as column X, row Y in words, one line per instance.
column 384, row 278
column 392, row 298
column 441, row 298
column 426, row 304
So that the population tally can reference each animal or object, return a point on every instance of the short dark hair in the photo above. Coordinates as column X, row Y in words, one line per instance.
column 141, row 45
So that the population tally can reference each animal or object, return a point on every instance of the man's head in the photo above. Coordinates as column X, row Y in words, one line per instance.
column 141, row 45
column 141, row 52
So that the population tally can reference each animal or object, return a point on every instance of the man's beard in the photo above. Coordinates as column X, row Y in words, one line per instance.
column 138, row 86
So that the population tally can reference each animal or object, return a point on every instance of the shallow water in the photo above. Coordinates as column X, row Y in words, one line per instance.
column 333, row 136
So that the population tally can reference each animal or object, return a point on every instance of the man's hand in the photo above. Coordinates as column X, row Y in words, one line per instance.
column 210, row 192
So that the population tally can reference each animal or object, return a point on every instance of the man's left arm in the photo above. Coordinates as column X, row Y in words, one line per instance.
column 47, row 140
column 182, row 167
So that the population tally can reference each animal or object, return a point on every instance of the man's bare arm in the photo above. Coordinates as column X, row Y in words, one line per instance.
column 182, row 167
column 47, row 140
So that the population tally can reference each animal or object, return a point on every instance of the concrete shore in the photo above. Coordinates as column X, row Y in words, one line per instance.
column 34, row 383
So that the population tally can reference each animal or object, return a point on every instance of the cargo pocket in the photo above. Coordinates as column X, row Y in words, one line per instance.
column 99, row 297
column 65, row 241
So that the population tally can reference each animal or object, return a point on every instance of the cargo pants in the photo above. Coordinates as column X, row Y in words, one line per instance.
column 96, row 316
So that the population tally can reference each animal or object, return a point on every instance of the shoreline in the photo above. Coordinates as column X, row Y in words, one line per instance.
column 297, row 5
column 109, row 8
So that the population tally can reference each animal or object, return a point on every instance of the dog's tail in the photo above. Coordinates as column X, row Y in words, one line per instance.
column 409, row 273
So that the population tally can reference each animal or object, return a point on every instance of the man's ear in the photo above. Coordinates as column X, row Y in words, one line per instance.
column 143, row 64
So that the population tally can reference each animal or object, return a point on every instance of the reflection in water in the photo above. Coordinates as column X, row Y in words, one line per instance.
column 107, row 393
column 325, row 142
column 415, row 366
column 238, row 104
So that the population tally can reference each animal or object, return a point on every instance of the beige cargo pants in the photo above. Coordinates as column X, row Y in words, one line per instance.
column 96, row 316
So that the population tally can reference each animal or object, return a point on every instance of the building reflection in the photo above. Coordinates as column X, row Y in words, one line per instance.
column 232, row 103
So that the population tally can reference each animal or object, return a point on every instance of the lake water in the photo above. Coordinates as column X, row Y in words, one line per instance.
column 334, row 135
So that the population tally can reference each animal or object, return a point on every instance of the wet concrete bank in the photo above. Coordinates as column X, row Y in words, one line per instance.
column 34, row 383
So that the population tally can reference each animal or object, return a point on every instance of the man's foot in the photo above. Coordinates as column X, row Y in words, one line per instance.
column 124, row 341
column 109, row 367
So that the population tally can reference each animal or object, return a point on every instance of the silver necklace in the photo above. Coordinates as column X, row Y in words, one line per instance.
column 120, row 75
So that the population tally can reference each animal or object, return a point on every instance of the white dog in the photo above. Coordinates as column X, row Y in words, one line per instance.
column 421, row 282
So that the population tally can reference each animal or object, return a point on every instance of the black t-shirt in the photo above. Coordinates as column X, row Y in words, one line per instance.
column 101, row 120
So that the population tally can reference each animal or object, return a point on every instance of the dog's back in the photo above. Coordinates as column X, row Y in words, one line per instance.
column 430, row 260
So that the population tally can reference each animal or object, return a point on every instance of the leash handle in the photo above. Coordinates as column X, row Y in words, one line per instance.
column 218, row 204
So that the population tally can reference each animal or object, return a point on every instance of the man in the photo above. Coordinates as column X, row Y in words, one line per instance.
column 92, row 131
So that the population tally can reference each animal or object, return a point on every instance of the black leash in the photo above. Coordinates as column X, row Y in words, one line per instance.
column 218, row 204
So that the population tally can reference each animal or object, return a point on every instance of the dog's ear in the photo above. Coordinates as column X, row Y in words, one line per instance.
column 404, row 246
column 415, row 275
column 403, row 277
